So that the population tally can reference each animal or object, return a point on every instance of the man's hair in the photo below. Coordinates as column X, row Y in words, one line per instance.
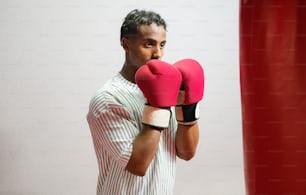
column 136, row 18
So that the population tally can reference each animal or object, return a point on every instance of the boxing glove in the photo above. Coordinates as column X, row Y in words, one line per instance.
column 160, row 83
column 191, row 91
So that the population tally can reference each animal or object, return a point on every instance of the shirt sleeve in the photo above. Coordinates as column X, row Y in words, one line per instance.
column 113, row 128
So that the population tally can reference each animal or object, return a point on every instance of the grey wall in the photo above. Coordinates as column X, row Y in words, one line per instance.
column 54, row 54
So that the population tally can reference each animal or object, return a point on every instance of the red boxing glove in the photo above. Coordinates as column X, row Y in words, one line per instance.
column 192, row 91
column 160, row 83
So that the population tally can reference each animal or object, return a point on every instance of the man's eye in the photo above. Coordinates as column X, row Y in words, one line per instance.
column 162, row 45
column 149, row 44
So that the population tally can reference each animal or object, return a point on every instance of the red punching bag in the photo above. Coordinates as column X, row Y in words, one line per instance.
column 273, row 94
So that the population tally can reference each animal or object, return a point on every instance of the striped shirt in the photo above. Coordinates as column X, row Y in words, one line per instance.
column 114, row 119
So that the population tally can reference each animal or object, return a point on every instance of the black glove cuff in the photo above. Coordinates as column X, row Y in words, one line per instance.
column 187, row 114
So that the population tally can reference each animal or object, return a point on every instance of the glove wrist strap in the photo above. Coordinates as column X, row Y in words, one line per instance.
column 156, row 117
column 187, row 114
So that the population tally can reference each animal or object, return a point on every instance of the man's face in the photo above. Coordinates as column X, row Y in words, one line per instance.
column 148, row 44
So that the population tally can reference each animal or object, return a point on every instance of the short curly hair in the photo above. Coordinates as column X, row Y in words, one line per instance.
column 136, row 18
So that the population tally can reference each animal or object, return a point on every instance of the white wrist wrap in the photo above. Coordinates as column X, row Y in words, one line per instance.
column 157, row 117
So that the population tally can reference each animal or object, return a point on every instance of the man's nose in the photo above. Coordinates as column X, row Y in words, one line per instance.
column 157, row 53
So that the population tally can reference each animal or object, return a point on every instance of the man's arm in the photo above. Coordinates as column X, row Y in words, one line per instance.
column 144, row 148
column 186, row 141
column 187, row 108
column 160, row 83
column 146, row 143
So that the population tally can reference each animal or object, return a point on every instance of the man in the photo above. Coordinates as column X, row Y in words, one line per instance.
column 135, row 157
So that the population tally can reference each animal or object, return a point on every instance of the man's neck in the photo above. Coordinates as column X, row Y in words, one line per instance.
column 128, row 73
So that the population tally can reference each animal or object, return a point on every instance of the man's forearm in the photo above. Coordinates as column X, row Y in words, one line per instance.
column 144, row 148
column 186, row 141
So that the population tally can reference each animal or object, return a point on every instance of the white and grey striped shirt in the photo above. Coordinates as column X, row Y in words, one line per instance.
column 114, row 119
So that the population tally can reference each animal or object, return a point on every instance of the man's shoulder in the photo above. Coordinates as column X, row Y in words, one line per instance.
column 117, row 90
column 108, row 90
column 111, row 86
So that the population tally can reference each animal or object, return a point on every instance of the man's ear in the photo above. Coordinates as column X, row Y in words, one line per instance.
column 125, row 43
